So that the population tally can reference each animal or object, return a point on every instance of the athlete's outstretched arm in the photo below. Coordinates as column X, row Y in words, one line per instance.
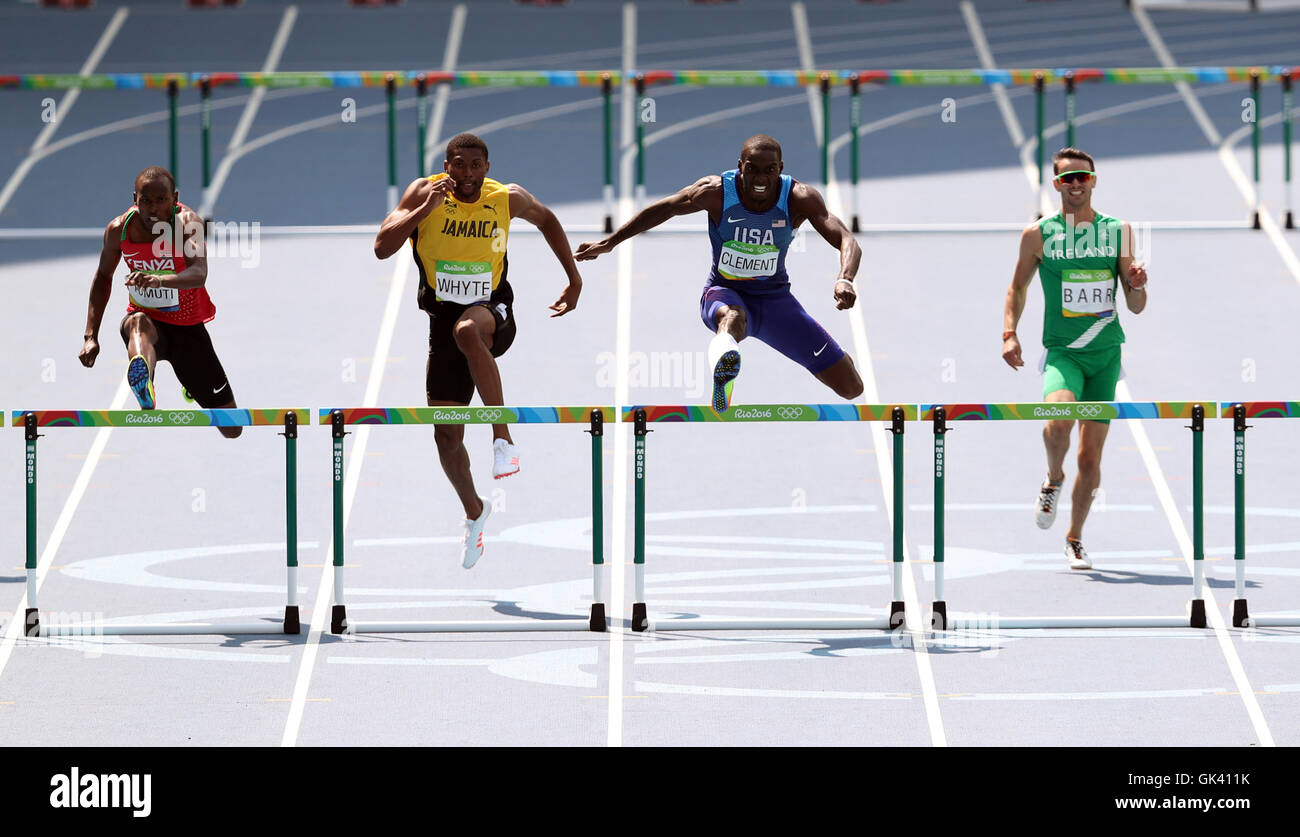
column 807, row 202
column 417, row 202
column 101, row 288
column 1133, row 274
column 704, row 194
column 524, row 205
column 1031, row 253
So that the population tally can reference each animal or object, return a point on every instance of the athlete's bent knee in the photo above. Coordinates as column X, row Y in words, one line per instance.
column 467, row 336
column 448, row 436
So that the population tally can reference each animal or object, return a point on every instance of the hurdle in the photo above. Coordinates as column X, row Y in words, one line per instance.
column 32, row 420
column 642, row 416
column 941, row 414
column 1239, row 412
column 594, row 417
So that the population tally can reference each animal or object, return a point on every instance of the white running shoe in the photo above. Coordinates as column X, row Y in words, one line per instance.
column 505, row 459
column 1045, row 508
column 1078, row 556
column 471, row 544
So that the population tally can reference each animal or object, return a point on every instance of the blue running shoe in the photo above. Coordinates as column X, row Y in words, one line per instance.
column 137, row 375
column 724, row 377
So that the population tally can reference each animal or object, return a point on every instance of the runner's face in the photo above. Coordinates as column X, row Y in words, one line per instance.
column 760, row 176
column 1074, row 195
column 155, row 201
column 468, row 168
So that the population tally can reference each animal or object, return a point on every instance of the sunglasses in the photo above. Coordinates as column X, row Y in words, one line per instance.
column 1077, row 176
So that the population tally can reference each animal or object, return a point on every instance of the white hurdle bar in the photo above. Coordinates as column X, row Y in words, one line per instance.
column 32, row 420
column 338, row 419
column 1196, row 412
column 641, row 416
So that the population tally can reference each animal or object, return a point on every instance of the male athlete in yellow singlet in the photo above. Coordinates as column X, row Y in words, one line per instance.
column 458, row 223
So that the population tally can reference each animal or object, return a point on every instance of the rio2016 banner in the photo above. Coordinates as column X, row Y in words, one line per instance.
column 772, row 412
column 160, row 418
column 1068, row 410
column 465, row 415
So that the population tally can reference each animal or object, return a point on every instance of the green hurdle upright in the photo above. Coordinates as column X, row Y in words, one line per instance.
column 594, row 417
column 940, row 414
column 32, row 420
column 1239, row 412
column 641, row 416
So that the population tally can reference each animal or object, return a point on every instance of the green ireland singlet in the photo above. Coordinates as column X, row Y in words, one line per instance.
column 1079, row 274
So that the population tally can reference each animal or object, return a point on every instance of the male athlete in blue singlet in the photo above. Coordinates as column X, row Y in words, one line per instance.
column 754, row 211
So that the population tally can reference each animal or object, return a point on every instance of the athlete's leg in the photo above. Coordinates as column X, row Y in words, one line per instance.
column 732, row 320
column 1062, row 381
column 1092, row 436
column 843, row 377
column 450, row 439
column 1102, row 371
column 474, row 333
column 189, row 350
column 141, row 338
column 143, row 351
column 792, row 331
column 1056, row 438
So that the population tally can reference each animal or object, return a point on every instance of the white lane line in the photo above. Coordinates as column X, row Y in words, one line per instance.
column 432, row 138
column 622, row 352
column 1166, row 498
column 321, row 611
column 1185, row 544
column 1183, row 88
column 878, row 437
column 1247, row 189
column 245, row 123
column 1004, row 105
column 62, row 108
column 986, row 59
column 14, row 629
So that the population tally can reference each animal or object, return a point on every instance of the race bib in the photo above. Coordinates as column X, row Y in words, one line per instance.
column 156, row 299
column 463, row 282
column 739, row 260
column 1087, row 293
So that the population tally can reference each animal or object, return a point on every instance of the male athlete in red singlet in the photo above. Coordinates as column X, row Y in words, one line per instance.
column 161, row 240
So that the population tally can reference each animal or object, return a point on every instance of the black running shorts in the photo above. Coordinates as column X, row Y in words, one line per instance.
column 447, row 377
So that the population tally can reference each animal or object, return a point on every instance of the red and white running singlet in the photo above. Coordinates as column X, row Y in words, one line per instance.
column 178, row 306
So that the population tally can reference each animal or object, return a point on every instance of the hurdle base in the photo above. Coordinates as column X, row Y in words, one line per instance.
column 1273, row 622
column 292, row 624
column 639, row 620
column 165, row 629
column 32, row 622
column 1198, row 613
column 338, row 619
column 597, row 620
column 469, row 626
column 897, row 615
column 939, row 616
column 1240, row 614
column 740, row 623
column 1254, row 224
column 1290, row 220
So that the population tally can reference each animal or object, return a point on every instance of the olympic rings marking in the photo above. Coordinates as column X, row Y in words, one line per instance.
column 490, row 415
column 1090, row 410
column 180, row 418
column 790, row 412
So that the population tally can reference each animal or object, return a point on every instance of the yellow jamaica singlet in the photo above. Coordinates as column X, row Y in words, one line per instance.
column 460, row 248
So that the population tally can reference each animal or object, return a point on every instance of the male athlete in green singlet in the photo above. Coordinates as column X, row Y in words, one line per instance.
column 1081, row 257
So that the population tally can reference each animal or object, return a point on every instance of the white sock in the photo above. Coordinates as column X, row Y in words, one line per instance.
column 719, row 346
